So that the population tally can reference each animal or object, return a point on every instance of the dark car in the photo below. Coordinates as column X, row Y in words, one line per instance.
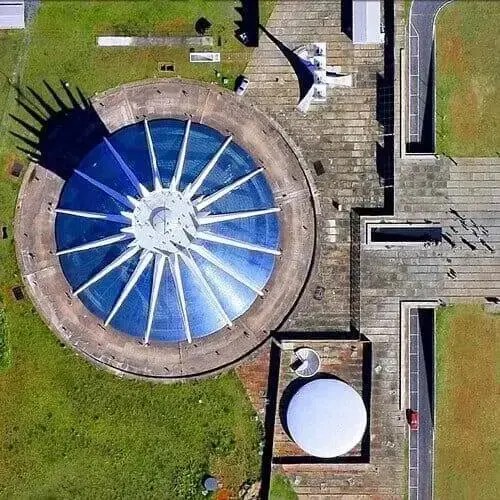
column 242, row 86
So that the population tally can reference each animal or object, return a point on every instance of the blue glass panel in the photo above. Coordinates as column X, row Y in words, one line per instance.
column 101, row 165
column 100, row 297
column 130, row 142
column 256, row 266
column 234, row 297
column 132, row 315
column 167, row 325
column 203, row 317
column 72, row 231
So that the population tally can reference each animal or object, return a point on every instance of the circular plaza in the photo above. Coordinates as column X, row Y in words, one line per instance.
column 178, row 242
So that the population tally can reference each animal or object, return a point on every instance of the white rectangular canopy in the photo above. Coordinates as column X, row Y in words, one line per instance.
column 11, row 14
column 366, row 22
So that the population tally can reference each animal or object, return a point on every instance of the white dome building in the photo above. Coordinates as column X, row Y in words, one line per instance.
column 326, row 418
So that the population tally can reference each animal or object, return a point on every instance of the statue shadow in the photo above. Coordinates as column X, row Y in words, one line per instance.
column 303, row 72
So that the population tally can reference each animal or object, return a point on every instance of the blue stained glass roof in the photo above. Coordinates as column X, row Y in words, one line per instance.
column 167, row 230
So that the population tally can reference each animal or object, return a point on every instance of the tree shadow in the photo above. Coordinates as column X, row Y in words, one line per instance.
column 57, row 131
column 247, row 31
column 303, row 71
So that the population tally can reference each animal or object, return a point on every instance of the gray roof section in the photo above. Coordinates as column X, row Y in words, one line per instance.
column 366, row 21
column 11, row 14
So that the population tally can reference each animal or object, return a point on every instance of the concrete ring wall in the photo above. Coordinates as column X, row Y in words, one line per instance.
column 124, row 355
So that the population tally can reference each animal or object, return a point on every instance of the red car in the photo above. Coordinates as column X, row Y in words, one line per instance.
column 413, row 419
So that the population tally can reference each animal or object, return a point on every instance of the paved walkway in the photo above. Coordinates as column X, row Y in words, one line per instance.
column 341, row 134
column 460, row 197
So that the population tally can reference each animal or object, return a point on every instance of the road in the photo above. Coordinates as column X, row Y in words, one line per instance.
column 421, row 364
column 421, row 91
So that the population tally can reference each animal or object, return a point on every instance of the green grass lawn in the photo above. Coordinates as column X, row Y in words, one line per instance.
column 406, row 9
column 468, row 94
column 68, row 429
column 63, row 45
column 281, row 488
column 467, row 444
column 10, row 42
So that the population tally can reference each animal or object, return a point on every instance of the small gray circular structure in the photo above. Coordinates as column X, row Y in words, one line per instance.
column 161, row 220
column 307, row 363
column 211, row 484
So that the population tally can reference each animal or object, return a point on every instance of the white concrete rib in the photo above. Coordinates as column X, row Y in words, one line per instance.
column 126, row 169
column 205, row 202
column 176, row 273
column 159, row 266
column 215, row 238
column 181, row 158
column 212, row 219
column 193, row 267
column 206, row 254
column 157, row 185
column 127, row 201
column 191, row 190
column 94, row 215
column 128, row 254
column 144, row 261
column 109, row 240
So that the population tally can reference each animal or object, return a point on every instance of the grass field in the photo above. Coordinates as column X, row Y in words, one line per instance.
column 10, row 43
column 468, row 94
column 281, row 489
column 69, row 430
column 406, row 9
column 467, row 443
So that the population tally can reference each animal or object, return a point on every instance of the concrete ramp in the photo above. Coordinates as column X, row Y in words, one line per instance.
column 137, row 41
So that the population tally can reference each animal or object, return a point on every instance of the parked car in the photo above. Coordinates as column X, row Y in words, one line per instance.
column 243, row 37
column 242, row 85
column 413, row 420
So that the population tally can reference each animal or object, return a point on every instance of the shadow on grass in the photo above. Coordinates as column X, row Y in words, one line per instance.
column 247, row 30
column 56, row 132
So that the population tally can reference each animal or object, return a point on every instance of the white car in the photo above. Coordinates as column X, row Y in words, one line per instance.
column 242, row 86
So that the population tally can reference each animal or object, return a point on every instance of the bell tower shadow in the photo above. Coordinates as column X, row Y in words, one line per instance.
column 56, row 132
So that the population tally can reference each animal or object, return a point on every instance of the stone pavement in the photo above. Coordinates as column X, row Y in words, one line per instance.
column 362, row 285
column 341, row 134
column 429, row 190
